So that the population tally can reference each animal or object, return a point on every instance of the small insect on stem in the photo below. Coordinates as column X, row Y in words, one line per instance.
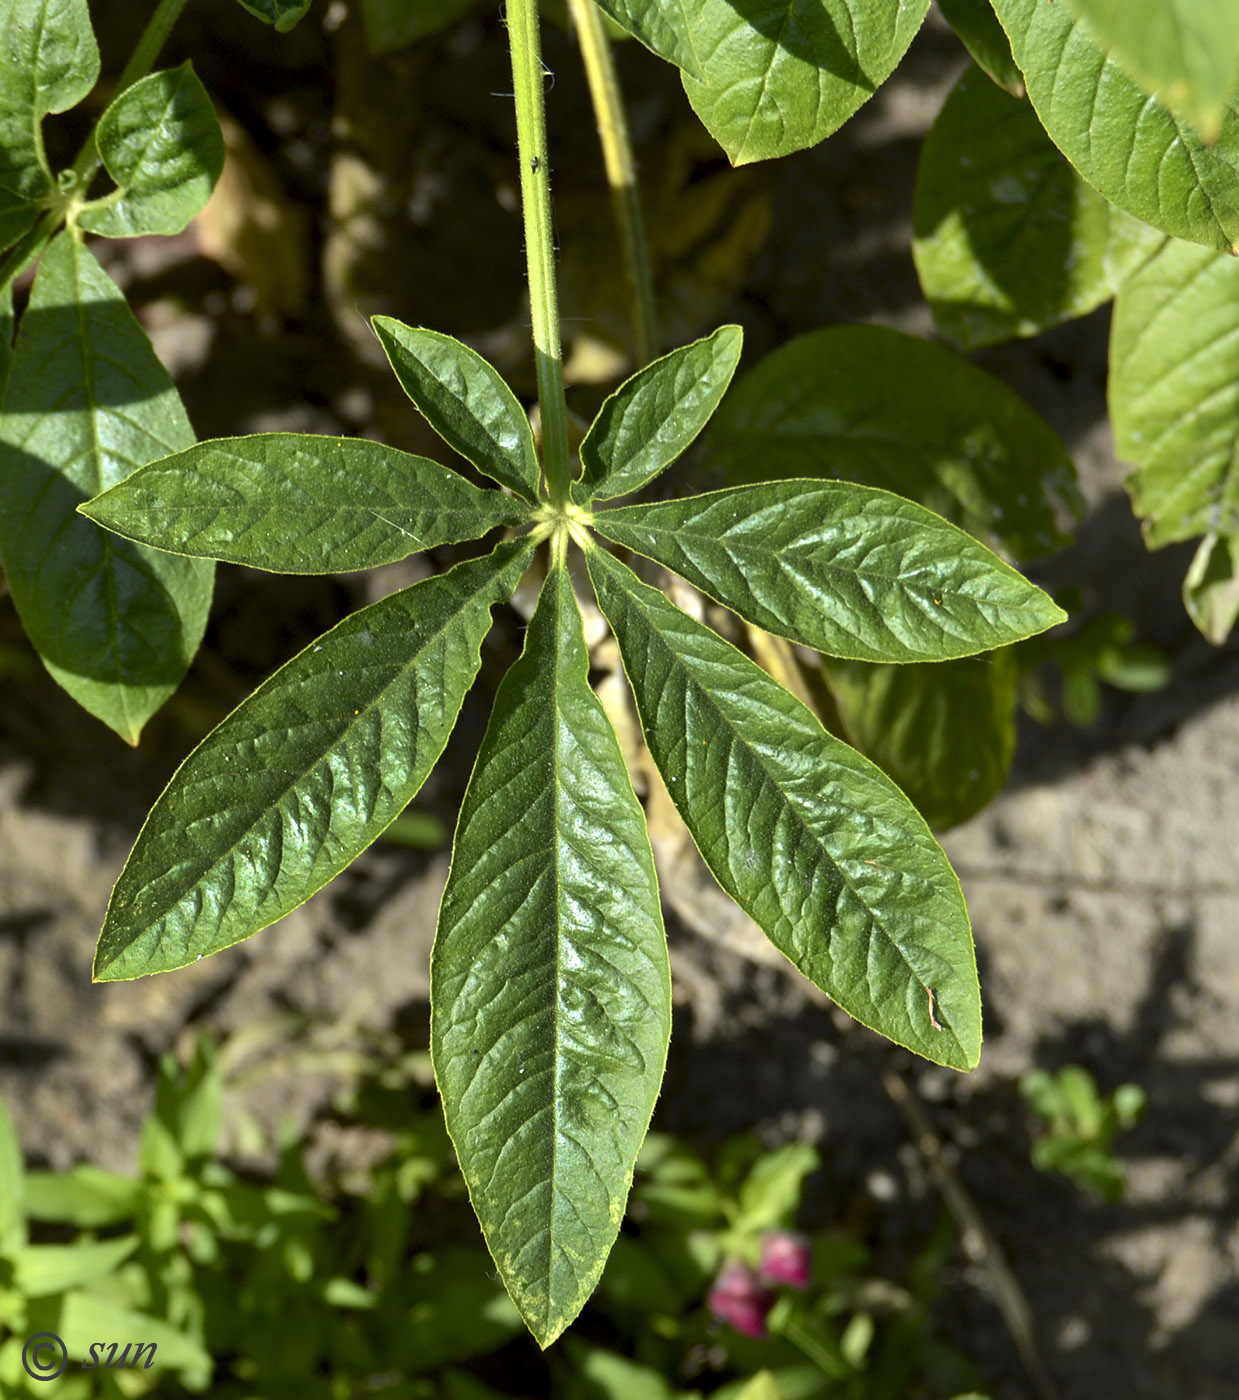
column 534, row 163
column 933, row 1020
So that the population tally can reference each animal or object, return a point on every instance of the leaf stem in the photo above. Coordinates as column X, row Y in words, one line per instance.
column 524, row 42
column 621, row 168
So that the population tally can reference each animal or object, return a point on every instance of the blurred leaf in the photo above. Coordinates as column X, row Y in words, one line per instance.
column 85, row 1318
column 770, row 1194
column 1211, row 588
column 394, row 24
column 598, row 1374
column 44, row 1269
column 283, row 14
column 12, row 1193
column 85, row 1196
column 456, row 1308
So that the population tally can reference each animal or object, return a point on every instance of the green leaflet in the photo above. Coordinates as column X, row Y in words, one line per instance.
column 86, row 403
column 160, row 142
column 875, row 406
column 41, row 1270
column 50, row 62
column 653, row 418
column 393, row 24
column 1174, row 392
column 300, row 503
column 944, row 733
column 283, row 14
column 85, row 1196
column 12, row 1195
column 1211, row 587
column 811, row 840
column 1186, row 51
column 466, row 402
column 550, row 982
column 977, row 26
column 1135, row 151
column 87, row 1317
column 848, row 570
column 303, row 775
column 1010, row 239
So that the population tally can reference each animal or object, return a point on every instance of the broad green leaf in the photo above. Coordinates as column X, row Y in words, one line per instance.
column 976, row 24
column 550, row 982
column 875, row 406
column 43, row 1269
column 945, row 734
column 393, row 24
column 848, row 570
column 86, row 1318
column 86, row 403
column 813, row 841
column 303, row 775
column 160, row 142
column 466, row 401
column 779, row 77
column 653, row 418
column 669, row 28
column 283, row 14
column 1185, row 51
column 1010, row 239
column 87, row 1196
column 1211, row 587
column 12, row 1195
column 48, row 62
column 300, row 503
column 1126, row 144
column 1174, row 392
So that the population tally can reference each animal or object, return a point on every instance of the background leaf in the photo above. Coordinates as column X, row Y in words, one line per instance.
column 160, row 142
column 877, row 407
column 1211, row 587
column 12, row 1195
column 283, row 14
column 305, row 774
column 976, row 24
column 811, row 840
column 550, row 981
column 1129, row 146
column 1010, row 239
column 394, row 24
column 300, row 503
column 653, row 418
column 86, row 402
column 847, row 570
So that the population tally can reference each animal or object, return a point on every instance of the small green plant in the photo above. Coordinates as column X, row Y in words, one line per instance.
column 1079, row 1125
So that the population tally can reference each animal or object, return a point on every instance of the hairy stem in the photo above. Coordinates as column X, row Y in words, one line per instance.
column 525, row 44
column 608, row 100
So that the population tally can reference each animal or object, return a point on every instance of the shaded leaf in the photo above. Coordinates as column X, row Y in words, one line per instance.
column 160, row 142
column 848, row 570
column 1010, row 239
column 977, row 26
column 283, row 14
column 86, row 403
column 653, row 418
column 305, row 774
column 1211, row 588
column 465, row 400
column 394, row 24
column 667, row 27
column 812, row 841
column 1129, row 146
column 877, row 407
column 300, row 503
column 550, row 982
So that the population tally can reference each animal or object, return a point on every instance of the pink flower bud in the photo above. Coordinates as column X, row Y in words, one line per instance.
column 786, row 1258
column 738, row 1298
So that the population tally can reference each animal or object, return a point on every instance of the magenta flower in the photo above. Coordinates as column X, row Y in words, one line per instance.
column 738, row 1299
column 786, row 1258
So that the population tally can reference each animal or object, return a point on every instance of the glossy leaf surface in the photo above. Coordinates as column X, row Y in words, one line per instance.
column 465, row 400
column 1174, row 392
column 848, row 570
column 283, row 14
column 300, row 503
column 944, row 733
column 654, row 417
column 160, row 142
column 50, row 61
column 1129, row 146
column 550, row 982
column 86, row 403
column 811, row 840
column 301, row 777
column 985, row 39
column 875, row 406
column 1010, row 239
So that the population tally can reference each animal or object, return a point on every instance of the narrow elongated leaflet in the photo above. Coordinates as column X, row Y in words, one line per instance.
column 653, row 418
column 48, row 62
column 848, row 570
column 1010, row 238
column 12, row 1188
column 300, row 503
column 86, row 403
column 812, row 841
column 550, row 982
column 465, row 400
column 160, row 142
column 1128, row 145
column 305, row 774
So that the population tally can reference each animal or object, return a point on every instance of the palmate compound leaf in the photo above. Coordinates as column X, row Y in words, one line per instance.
column 87, row 402
column 300, row 503
column 550, row 982
column 305, row 774
column 812, row 841
column 851, row 571
column 1128, row 145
